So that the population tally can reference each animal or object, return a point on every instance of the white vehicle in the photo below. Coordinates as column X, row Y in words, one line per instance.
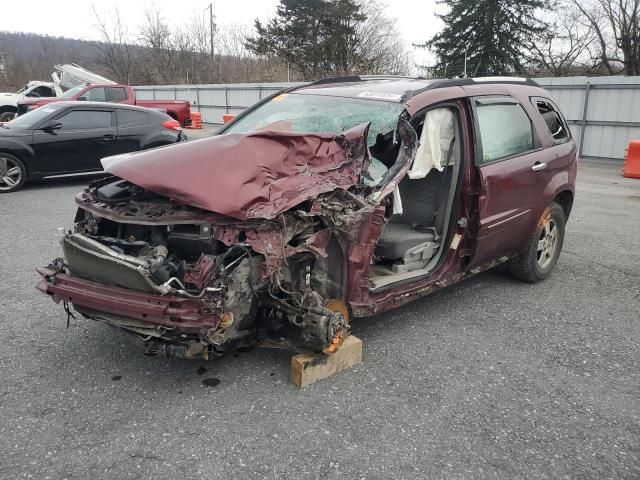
column 72, row 75
column 8, row 101
column 64, row 76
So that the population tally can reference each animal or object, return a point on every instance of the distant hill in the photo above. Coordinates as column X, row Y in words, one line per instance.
column 29, row 56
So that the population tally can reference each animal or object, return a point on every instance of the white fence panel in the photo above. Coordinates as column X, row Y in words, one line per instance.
column 606, row 106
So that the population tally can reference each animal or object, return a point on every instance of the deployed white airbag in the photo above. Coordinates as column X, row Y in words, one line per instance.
column 437, row 133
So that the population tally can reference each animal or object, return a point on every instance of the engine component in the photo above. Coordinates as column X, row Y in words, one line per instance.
column 192, row 241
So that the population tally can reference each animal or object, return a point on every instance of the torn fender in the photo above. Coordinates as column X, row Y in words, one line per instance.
column 249, row 175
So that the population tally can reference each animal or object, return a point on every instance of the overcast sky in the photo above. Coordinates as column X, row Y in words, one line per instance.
column 74, row 18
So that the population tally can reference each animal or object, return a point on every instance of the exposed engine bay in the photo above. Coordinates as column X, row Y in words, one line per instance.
column 233, row 283
column 188, row 281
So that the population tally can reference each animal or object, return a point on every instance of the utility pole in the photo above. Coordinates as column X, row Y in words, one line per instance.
column 212, row 26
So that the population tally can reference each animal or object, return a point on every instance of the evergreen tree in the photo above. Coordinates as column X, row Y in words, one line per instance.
column 496, row 35
column 316, row 37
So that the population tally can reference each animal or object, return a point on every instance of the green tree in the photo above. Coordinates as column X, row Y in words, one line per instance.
column 496, row 35
column 316, row 37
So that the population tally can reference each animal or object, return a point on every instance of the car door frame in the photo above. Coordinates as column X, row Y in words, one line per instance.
column 92, row 164
column 563, row 154
column 125, row 101
column 501, row 231
column 83, row 93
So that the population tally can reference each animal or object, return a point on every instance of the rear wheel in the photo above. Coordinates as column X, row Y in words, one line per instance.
column 12, row 173
column 543, row 249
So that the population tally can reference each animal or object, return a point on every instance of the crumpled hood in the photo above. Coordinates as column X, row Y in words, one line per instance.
column 248, row 175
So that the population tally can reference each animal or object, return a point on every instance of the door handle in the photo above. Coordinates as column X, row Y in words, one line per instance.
column 109, row 137
column 539, row 166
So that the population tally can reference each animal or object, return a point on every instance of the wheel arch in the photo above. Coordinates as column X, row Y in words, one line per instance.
column 19, row 157
column 565, row 200
column 8, row 108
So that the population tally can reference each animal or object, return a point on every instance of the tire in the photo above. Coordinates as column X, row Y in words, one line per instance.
column 7, row 116
column 13, row 173
column 541, row 255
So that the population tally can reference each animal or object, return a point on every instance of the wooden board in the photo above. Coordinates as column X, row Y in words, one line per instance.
column 307, row 369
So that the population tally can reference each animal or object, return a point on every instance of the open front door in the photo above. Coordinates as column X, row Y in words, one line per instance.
column 509, row 161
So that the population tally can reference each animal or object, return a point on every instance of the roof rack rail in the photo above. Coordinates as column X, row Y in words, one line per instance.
column 390, row 77
column 460, row 82
column 362, row 78
column 464, row 82
column 347, row 78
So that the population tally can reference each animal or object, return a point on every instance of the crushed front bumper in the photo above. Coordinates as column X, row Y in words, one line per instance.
column 189, row 316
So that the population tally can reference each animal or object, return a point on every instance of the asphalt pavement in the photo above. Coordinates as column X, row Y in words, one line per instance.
column 491, row 378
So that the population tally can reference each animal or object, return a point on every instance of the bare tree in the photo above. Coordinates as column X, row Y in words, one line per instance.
column 155, row 36
column 116, row 51
column 380, row 43
column 199, row 28
column 616, row 24
column 568, row 47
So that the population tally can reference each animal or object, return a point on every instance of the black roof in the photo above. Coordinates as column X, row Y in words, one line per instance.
column 394, row 88
column 109, row 105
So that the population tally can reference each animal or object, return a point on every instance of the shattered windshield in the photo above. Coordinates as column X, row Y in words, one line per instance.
column 291, row 112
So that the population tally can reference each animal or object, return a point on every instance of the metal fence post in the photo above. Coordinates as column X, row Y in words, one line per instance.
column 226, row 99
column 583, row 125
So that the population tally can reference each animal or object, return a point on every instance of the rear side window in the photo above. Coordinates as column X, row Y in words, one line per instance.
column 95, row 95
column 116, row 94
column 555, row 123
column 85, row 120
column 505, row 129
column 130, row 118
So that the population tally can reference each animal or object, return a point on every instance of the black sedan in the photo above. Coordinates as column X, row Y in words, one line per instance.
column 71, row 137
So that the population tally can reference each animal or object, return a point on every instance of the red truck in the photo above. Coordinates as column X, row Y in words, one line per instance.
column 179, row 110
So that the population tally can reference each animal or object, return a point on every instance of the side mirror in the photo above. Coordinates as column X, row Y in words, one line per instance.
column 82, row 99
column 51, row 125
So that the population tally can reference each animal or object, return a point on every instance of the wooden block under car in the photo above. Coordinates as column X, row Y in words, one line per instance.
column 307, row 369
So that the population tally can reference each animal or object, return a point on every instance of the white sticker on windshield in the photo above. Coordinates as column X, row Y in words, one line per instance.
column 382, row 95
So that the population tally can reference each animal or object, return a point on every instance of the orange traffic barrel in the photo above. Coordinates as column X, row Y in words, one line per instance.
column 631, row 165
column 196, row 120
column 227, row 117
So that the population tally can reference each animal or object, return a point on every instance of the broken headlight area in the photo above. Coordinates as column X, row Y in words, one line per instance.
column 211, row 284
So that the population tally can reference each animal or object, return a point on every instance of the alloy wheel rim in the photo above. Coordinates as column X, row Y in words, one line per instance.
column 547, row 244
column 10, row 173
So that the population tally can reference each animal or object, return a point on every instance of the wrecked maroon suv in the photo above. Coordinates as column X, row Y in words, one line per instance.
column 339, row 199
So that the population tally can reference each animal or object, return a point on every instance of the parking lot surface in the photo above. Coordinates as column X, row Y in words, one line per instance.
column 491, row 378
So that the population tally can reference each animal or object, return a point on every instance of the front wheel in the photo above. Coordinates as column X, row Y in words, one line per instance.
column 12, row 173
column 7, row 116
column 542, row 252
